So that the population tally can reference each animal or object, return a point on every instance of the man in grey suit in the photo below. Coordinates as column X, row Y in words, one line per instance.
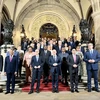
column 74, row 61
column 1, row 63
column 64, row 66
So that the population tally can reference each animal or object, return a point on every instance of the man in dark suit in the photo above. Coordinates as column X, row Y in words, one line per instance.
column 74, row 61
column 45, row 54
column 64, row 66
column 71, row 43
column 10, row 69
column 54, row 62
column 1, row 63
column 91, row 58
column 37, row 68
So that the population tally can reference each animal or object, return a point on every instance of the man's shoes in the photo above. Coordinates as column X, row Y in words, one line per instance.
column 12, row 92
column 72, row 91
column 57, row 91
column 53, row 90
column 37, row 91
column 7, row 92
column 97, row 90
column 89, row 90
column 30, row 92
column 77, row 91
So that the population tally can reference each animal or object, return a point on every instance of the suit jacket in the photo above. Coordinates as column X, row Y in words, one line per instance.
column 11, row 67
column 52, row 61
column 61, row 55
column 45, row 56
column 71, row 63
column 34, row 63
column 95, row 56
column 1, row 62
column 72, row 45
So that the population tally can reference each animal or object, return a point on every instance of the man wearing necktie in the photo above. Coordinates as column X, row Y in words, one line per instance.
column 54, row 62
column 45, row 54
column 91, row 58
column 10, row 69
column 37, row 67
column 73, row 62
column 64, row 66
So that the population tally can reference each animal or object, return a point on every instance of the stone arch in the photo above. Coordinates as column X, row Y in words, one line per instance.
column 6, row 12
column 90, row 19
column 33, row 4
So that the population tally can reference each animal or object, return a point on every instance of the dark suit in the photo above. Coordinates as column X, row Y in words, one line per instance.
column 73, row 71
column 55, row 70
column 72, row 44
column 45, row 55
column 1, row 63
column 92, row 67
column 36, row 73
column 10, row 68
column 64, row 66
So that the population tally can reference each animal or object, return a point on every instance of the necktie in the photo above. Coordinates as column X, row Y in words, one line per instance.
column 91, row 52
column 45, row 52
column 37, row 58
column 55, row 58
column 10, row 58
column 74, row 56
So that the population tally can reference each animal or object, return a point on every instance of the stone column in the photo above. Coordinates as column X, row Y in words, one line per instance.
column 96, row 17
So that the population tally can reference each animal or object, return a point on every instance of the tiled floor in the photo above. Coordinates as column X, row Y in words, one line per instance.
column 83, row 95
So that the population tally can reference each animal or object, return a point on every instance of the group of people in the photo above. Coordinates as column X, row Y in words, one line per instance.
column 51, row 57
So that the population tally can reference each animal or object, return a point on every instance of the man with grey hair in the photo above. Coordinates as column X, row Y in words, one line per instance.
column 54, row 62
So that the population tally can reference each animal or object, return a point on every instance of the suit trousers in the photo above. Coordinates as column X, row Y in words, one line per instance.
column 10, row 78
column 74, row 80
column 36, row 74
column 95, row 75
column 55, row 76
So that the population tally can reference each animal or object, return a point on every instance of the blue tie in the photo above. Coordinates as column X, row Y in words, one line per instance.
column 37, row 58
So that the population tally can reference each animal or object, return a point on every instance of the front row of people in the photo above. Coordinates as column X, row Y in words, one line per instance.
column 91, row 58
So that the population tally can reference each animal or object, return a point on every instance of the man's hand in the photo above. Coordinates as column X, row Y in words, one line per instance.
column 93, row 60
column 55, row 64
column 5, row 73
column 74, row 65
column 39, row 66
column 35, row 67
column 15, row 73
column 90, row 61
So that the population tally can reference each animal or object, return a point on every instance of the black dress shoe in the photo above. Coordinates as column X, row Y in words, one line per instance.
column 97, row 90
column 72, row 91
column 53, row 90
column 37, row 91
column 30, row 92
column 57, row 91
column 12, row 92
column 77, row 91
column 7, row 92
column 89, row 90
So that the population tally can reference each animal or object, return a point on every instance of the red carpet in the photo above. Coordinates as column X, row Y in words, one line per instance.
column 46, row 88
